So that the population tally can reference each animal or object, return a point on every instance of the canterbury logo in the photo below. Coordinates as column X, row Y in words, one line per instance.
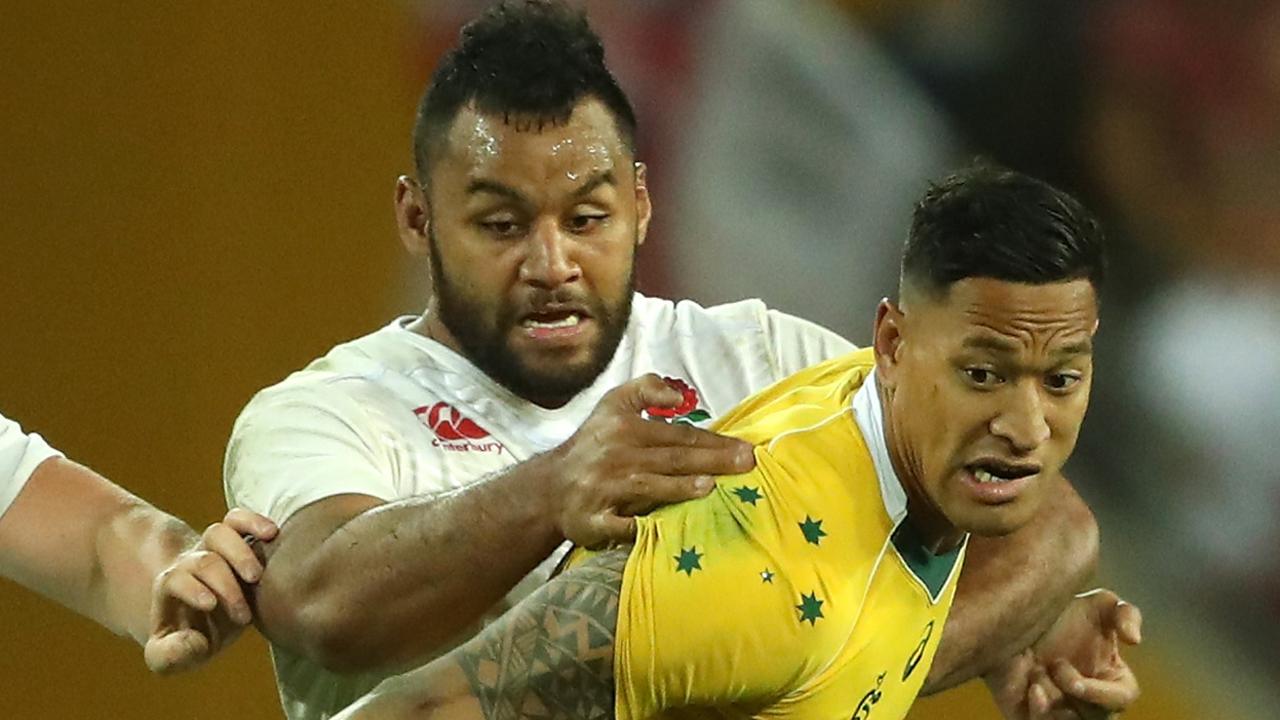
column 449, row 424
column 454, row 431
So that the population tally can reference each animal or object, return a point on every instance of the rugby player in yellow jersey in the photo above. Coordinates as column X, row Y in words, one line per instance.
column 816, row 585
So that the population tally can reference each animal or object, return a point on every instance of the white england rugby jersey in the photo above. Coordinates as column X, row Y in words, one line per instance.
column 20, row 453
column 395, row 415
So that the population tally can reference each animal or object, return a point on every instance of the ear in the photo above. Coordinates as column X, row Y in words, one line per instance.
column 887, row 340
column 412, row 216
column 644, row 206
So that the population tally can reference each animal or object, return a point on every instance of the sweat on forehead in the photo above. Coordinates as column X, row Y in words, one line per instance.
column 585, row 142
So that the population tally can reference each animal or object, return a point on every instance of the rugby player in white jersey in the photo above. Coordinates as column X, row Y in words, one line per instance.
column 431, row 473
column 69, row 534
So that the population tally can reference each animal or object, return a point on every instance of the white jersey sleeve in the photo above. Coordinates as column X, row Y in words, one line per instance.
column 796, row 344
column 20, row 453
column 292, row 446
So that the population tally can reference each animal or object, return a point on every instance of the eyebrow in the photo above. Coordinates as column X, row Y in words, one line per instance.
column 983, row 342
column 492, row 187
column 1080, row 347
column 604, row 177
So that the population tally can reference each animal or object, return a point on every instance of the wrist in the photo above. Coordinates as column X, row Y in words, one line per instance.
column 541, row 481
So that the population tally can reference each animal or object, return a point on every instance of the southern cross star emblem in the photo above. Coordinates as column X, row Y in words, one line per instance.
column 812, row 530
column 748, row 495
column 810, row 608
column 767, row 576
column 688, row 560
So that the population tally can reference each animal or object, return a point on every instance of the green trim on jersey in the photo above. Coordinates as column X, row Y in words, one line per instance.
column 931, row 570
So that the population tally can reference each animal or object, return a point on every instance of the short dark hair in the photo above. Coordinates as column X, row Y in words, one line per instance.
column 990, row 222
column 535, row 59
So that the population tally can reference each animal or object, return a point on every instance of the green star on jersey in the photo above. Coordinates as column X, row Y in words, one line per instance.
column 810, row 608
column 767, row 576
column 688, row 560
column 748, row 495
column 812, row 530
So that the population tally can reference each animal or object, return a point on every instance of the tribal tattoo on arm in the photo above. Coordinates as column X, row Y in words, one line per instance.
column 549, row 657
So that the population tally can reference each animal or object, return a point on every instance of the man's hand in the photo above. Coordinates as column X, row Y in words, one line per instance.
column 618, row 464
column 1075, row 671
column 198, row 606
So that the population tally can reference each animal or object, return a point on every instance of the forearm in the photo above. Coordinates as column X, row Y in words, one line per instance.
column 86, row 543
column 553, row 651
column 134, row 546
column 395, row 583
column 1012, row 588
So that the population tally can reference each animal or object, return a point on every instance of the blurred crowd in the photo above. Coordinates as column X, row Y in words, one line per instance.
column 788, row 140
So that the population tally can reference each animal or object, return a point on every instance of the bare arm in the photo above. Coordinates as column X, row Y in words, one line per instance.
column 90, row 545
column 349, row 573
column 1013, row 588
column 550, row 657
column 86, row 543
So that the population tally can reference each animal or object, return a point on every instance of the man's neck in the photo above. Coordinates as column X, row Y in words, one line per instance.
column 939, row 535
column 429, row 325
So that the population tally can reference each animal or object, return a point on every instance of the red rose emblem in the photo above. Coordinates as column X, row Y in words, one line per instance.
column 687, row 404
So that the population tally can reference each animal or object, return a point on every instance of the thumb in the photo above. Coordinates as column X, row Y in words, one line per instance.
column 175, row 651
column 1126, row 618
column 613, row 529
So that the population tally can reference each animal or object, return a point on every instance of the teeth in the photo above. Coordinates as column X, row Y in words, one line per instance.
column 569, row 321
column 986, row 477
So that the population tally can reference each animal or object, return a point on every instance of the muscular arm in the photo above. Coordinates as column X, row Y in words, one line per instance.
column 76, row 538
column 1013, row 588
column 348, row 574
column 550, row 657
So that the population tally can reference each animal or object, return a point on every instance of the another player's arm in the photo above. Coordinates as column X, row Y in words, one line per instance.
column 349, row 573
column 551, row 656
column 1013, row 588
column 83, row 541
column 86, row 543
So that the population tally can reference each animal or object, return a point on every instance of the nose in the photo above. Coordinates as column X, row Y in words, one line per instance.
column 1022, row 420
column 549, row 262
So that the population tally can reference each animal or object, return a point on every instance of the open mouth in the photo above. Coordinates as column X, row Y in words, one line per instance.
column 553, row 319
column 997, row 472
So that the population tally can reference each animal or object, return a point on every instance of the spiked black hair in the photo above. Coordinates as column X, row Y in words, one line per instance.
column 528, row 60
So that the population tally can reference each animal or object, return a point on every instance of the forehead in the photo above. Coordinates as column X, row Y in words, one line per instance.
column 1020, row 315
column 519, row 151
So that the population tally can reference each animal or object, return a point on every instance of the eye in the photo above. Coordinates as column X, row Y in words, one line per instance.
column 1061, row 382
column 586, row 222
column 502, row 228
column 981, row 377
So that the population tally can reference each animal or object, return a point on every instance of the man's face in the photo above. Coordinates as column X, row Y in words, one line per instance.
column 986, row 389
column 532, row 234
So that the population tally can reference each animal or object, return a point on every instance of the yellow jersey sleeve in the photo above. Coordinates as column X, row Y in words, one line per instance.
column 713, row 615
column 739, row 600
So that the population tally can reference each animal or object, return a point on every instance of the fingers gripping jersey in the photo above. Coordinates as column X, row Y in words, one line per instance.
column 795, row 590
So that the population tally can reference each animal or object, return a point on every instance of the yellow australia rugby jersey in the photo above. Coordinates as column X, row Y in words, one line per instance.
column 795, row 590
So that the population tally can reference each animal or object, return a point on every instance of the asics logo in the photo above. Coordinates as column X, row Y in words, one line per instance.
column 918, row 654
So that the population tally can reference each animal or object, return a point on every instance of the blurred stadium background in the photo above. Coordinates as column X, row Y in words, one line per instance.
column 196, row 199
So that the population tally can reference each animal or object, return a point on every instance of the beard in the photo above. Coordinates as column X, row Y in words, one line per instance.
column 483, row 334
